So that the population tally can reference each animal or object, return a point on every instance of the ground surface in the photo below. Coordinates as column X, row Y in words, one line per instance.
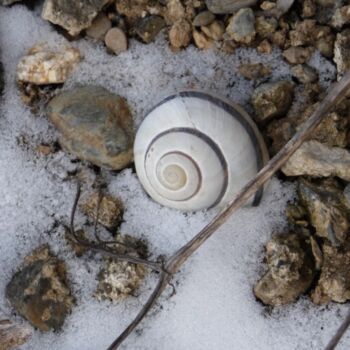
column 214, row 307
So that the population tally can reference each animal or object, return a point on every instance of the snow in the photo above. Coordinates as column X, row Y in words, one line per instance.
column 214, row 307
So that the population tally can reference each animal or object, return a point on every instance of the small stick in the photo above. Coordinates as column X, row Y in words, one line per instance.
column 337, row 92
column 340, row 332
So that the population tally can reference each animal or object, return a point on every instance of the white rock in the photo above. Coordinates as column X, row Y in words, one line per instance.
column 316, row 159
column 43, row 65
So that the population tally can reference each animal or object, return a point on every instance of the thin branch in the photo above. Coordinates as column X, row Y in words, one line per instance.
column 101, row 247
column 336, row 93
column 340, row 332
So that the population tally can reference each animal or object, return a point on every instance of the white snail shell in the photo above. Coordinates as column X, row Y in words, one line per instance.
column 195, row 150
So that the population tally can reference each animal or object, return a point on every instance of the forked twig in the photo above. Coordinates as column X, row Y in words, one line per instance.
column 336, row 93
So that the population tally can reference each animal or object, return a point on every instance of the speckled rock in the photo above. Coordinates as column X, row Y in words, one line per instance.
column 13, row 335
column 342, row 51
column 327, row 209
column 120, row 279
column 39, row 290
column 291, row 270
column 334, row 282
column 95, row 125
column 228, row 6
column 272, row 100
column 110, row 212
column 304, row 73
column 74, row 16
column 318, row 160
column 43, row 65
column 241, row 27
column 148, row 28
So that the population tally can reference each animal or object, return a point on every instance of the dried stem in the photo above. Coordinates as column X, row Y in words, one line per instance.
column 336, row 93
column 340, row 332
column 100, row 246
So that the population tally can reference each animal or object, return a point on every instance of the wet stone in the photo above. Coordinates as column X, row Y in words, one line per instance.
column 95, row 125
column 39, row 291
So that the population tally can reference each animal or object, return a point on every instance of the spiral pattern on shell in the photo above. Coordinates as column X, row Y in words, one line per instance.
column 195, row 150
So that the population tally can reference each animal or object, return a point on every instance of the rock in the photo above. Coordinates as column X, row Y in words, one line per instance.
column 120, row 279
column 8, row 2
column 147, row 28
column 201, row 40
column 279, row 38
column 254, row 71
column 180, row 34
column 318, row 160
column 74, row 16
column 304, row 73
column 43, row 65
column 341, row 17
column 95, row 125
column 325, row 45
column 116, row 40
column 272, row 100
column 282, row 7
column 342, row 51
column 297, row 55
column 174, row 11
column 214, row 30
column 264, row 47
column 13, row 335
column 203, row 19
column 39, row 290
column 334, row 282
column 291, row 270
column 265, row 27
column 241, row 27
column 308, row 8
column 327, row 209
column 99, row 27
column 332, row 131
column 110, row 213
column 228, row 6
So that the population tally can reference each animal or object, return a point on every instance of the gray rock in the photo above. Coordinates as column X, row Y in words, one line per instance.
column 13, row 335
column 148, row 28
column 341, row 17
column 74, row 16
column 327, row 209
column 272, row 100
column 304, row 73
column 228, row 6
column 95, row 125
column 291, row 270
column 39, row 290
column 342, row 51
column 318, row 160
column 241, row 27
column 203, row 19
column 334, row 281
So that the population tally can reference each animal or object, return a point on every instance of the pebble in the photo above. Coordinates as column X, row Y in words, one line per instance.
column 201, row 40
column 116, row 41
column 228, row 6
column 241, row 27
column 148, row 28
column 318, row 160
column 203, row 19
column 254, row 71
column 44, row 65
column 8, row 2
column 297, row 55
column 13, row 335
column 180, row 34
column 95, row 125
column 214, row 30
column 272, row 100
column 304, row 73
column 99, row 27
column 39, row 291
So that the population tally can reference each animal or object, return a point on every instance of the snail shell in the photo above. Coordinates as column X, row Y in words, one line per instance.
column 195, row 150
